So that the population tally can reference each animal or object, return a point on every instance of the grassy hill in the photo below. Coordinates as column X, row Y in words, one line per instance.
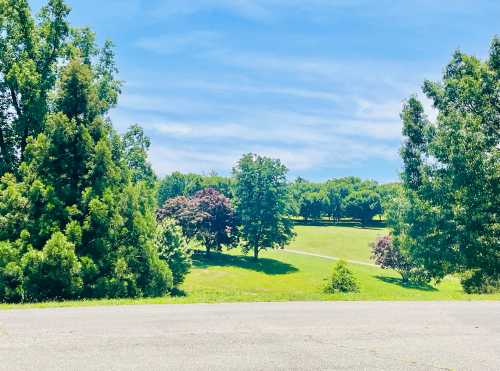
column 282, row 275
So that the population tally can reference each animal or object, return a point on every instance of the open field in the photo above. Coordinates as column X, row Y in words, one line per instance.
column 345, row 240
column 283, row 276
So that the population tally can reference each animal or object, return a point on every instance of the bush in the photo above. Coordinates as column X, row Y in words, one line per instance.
column 342, row 280
column 11, row 275
column 476, row 282
column 161, row 279
column 173, row 249
column 54, row 272
column 388, row 256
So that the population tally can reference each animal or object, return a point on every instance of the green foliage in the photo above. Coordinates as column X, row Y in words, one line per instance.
column 77, row 206
column 178, row 184
column 173, row 249
column 388, row 256
column 262, row 203
column 11, row 275
column 448, row 221
column 348, row 197
column 284, row 276
column 342, row 280
column 54, row 272
column 312, row 205
column 136, row 146
column 476, row 282
column 363, row 205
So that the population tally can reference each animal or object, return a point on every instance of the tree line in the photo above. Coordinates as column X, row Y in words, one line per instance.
column 336, row 199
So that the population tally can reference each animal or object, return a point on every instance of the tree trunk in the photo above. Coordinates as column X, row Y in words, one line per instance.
column 256, row 253
column 3, row 150
column 208, row 251
column 405, row 277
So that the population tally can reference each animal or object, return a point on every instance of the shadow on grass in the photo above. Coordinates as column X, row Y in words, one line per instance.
column 178, row 293
column 374, row 224
column 399, row 282
column 264, row 265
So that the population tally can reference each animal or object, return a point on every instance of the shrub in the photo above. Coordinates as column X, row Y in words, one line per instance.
column 388, row 256
column 342, row 280
column 54, row 272
column 476, row 282
column 11, row 275
column 161, row 279
column 173, row 249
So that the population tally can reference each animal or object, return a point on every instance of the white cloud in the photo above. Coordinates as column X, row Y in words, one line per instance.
column 166, row 159
column 429, row 109
column 179, row 43
column 163, row 104
column 264, row 89
column 339, row 153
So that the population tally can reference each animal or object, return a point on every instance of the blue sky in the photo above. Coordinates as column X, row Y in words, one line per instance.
column 317, row 83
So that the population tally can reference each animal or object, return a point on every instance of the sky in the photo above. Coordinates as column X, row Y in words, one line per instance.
column 318, row 84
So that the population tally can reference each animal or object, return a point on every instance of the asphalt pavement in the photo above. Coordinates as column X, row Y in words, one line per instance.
column 255, row 336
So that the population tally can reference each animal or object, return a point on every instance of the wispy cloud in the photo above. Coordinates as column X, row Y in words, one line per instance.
column 265, row 10
column 179, row 43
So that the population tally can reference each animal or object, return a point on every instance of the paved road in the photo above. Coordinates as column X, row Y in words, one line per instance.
column 255, row 336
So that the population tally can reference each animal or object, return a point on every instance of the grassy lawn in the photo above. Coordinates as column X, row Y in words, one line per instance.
column 282, row 276
column 345, row 240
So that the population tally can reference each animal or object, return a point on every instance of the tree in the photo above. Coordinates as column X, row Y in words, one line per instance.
column 184, row 210
column 363, row 205
column 171, row 186
column 262, row 203
column 451, row 176
column 32, row 51
column 336, row 191
column 208, row 217
column 76, row 215
column 136, row 145
column 219, row 227
column 312, row 205
column 389, row 256
column 29, row 53
column 221, row 184
column 388, row 193
column 178, row 184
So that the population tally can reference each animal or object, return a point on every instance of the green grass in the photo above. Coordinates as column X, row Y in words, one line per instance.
column 346, row 240
column 283, row 276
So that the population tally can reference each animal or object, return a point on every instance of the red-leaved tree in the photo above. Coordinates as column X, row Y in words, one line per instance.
column 386, row 255
column 208, row 217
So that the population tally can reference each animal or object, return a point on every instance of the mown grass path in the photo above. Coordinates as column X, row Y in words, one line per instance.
column 328, row 257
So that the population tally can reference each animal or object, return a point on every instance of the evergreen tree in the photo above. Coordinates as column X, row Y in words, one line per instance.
column 77, row 217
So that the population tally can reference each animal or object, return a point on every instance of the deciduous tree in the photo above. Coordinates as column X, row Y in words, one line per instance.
column 451, row 172
column 262, row 203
